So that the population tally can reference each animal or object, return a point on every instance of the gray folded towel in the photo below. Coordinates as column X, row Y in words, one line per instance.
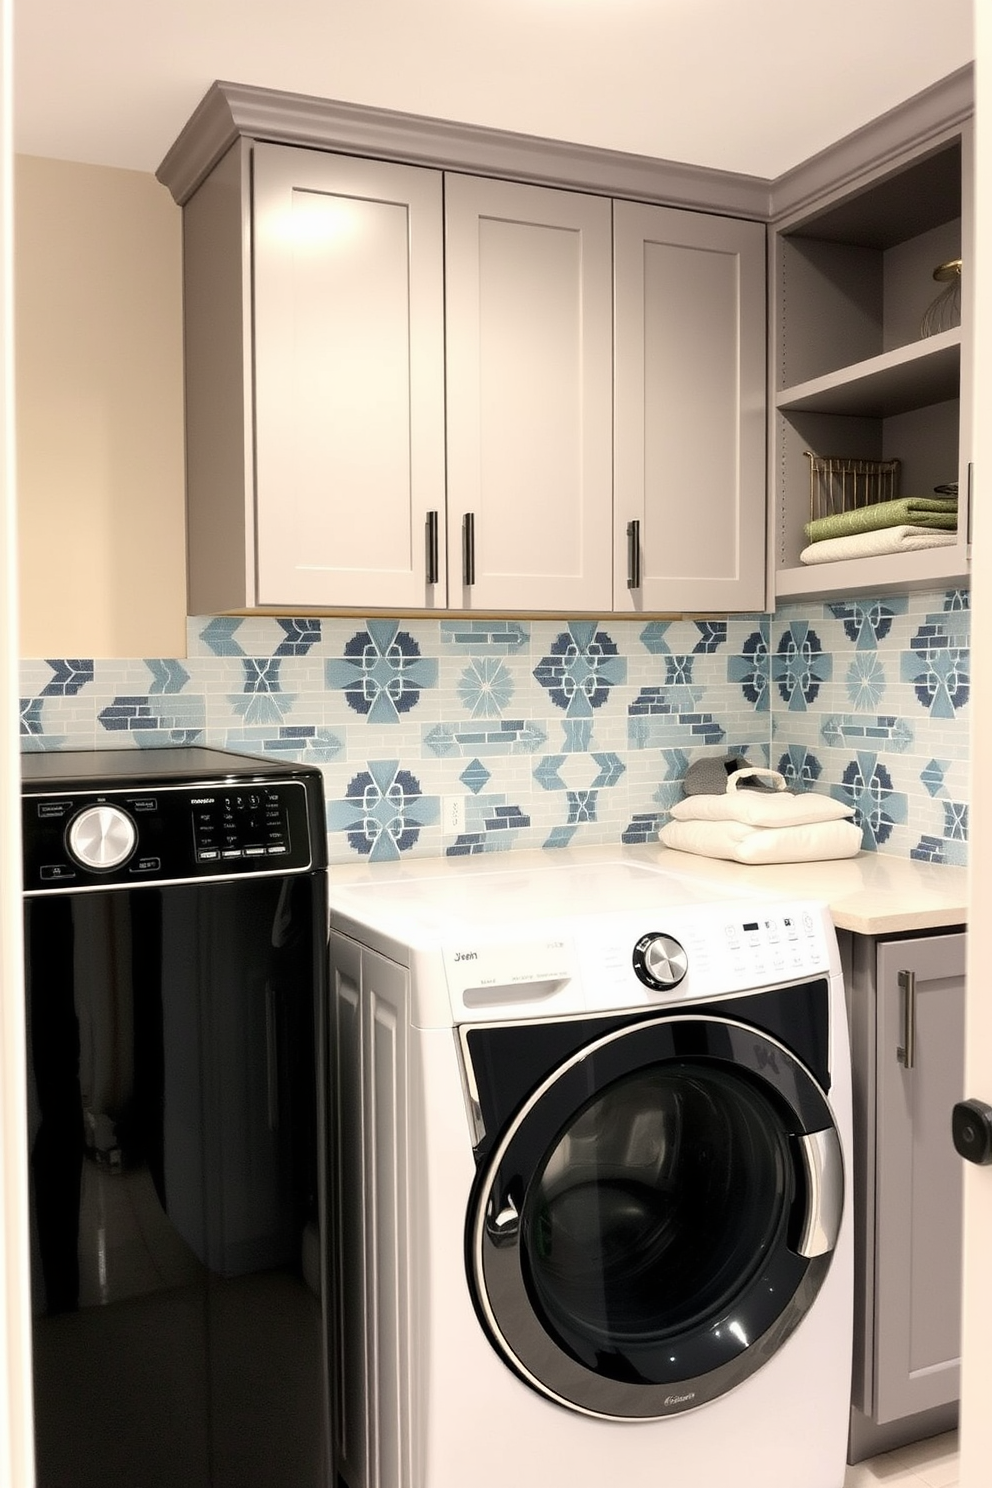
column 708, row 777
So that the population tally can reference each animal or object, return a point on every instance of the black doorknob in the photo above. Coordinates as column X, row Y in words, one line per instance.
column 971, row 1128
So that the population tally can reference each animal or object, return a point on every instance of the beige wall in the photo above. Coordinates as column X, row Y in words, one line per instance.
column 98, row 334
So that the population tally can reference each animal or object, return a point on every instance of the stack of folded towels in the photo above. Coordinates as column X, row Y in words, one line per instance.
column 761, row 822
column 899, row 526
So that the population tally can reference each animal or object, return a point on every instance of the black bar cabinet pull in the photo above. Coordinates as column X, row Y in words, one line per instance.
column 432, row 548
column 468, row 549
column 634, row 555
column 906, row 1055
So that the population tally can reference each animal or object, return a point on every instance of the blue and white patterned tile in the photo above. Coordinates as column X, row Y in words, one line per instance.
column 382, row 811
column 553, row 731
column 382, row 672
column 257, row 635
column 68, row 677
column 866, row 784
column 749, row 668
column 493, row 637
column 296, row 743
column 867, row 624
column 38, row 728
column 483, row 738
column 492, row 824
column 580, row 668
column 800, row 666
column 937, row 663
column 152, row 722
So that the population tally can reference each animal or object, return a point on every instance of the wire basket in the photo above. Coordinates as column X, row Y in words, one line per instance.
column 841, row 485
column 945, row 312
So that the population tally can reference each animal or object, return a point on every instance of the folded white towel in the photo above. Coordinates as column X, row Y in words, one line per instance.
column 903, row 539
column 811, row 843
column 761, row 808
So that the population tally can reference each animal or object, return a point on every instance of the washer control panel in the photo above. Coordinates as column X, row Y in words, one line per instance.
column 700, row 950
column 121, row 837
column 605, row 961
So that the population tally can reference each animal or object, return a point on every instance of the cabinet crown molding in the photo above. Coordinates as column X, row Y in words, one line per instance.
column 229, row 111
column 926, row 118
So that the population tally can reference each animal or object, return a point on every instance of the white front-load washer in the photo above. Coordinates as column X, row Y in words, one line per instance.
column 590, row 1153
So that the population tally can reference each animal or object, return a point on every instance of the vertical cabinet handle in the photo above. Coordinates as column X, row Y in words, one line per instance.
column 970, row 499
column 468, row 549
column 634, row 555
column 906, row 1055
column 432, row 548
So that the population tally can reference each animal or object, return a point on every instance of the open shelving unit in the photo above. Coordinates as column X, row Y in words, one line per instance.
column 852, row 376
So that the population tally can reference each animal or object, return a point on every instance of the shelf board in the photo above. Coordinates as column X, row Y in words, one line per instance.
column 883, row 574
column 909, row 377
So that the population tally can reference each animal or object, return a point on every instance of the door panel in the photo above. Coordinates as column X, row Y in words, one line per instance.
column 919, row 1179
column 349, row 378
column 529, row 380
column 689, row 439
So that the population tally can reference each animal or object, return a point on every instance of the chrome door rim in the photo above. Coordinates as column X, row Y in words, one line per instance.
column 601, row 1396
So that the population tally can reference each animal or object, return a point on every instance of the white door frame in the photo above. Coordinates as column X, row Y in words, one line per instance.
column 976, row 1418
column 16, row 1436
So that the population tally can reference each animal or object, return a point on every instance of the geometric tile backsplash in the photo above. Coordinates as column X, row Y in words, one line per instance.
column 870, row 704
column 540, row 733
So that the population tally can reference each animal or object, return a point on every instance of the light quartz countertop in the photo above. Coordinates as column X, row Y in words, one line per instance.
column 871, row 894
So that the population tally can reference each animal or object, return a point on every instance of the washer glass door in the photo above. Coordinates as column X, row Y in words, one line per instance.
column 658, row 1217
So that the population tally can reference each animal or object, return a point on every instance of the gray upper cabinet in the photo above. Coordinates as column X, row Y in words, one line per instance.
column 689, row 456
column 404, row 336
column 416, row 386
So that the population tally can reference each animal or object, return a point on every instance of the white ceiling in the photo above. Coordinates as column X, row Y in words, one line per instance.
column 743, row 85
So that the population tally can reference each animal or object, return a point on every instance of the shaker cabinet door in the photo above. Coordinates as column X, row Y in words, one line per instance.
column 349, row 380
column 917, row 1259
column 689, row 411
column 529, row 388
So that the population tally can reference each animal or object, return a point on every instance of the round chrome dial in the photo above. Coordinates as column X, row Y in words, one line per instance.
column 659, row 961
column 102, row 837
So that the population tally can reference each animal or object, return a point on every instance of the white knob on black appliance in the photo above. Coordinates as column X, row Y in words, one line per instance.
column 102, row 837
column 659, row 961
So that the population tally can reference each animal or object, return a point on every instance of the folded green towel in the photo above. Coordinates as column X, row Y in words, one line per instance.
column 917, row 511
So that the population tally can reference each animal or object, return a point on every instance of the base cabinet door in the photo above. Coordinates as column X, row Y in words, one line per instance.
column 919, row 1181
column 689, row 522
column 906, row 1005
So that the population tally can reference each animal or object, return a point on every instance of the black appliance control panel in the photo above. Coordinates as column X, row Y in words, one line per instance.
column 165, row 833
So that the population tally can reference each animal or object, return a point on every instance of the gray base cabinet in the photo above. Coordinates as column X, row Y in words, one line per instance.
column 906, row 999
